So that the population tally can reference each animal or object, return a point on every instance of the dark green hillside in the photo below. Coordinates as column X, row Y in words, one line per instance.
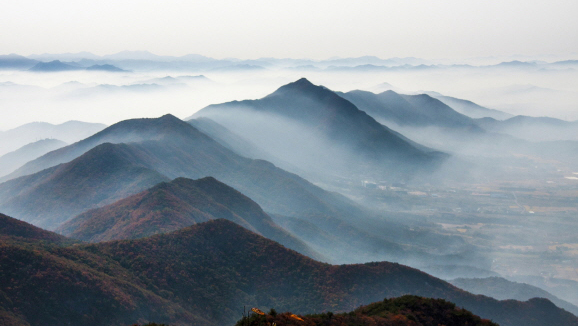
column 406, row 310
column 11, row 228
column 171, row 206
column 53, row 286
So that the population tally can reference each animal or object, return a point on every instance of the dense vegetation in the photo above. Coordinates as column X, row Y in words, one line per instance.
column 406, row 310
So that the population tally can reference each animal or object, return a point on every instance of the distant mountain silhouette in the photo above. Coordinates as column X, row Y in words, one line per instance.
column 125, row 131
column 13, row 160
column 413, row 110
column 472, row 109
column 105, row 67
column 171, row 206
column 533, row 128
column 312, row 127
column 14, row 61
column 502, row 289
column 69, row 132
column 54, row 66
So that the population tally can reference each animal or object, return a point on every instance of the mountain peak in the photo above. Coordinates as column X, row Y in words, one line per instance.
column 302, row 81
column 302, row 84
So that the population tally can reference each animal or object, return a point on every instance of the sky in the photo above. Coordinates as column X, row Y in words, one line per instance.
column 249, row 29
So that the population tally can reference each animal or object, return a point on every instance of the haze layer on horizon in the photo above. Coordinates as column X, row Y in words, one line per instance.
column 251, row 29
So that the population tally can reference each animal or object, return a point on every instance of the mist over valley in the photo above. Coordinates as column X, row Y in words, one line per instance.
column 180, row 184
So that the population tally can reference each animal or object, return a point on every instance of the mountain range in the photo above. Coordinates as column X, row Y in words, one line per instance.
column 502, row 289
column 57, row 66
column 186, row 220
column 203, row 274
column 314, row 128
column 155, row 150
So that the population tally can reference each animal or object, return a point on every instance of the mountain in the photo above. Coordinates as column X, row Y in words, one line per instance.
column 13, row 160
column 103, row 175
column 533, row 128
column 155, row 150
column 54, row 66
column 13, row 229
column 413, row 110
column 44, row 283
column 502, row 289
column 405, row 310
column 313, row 128
column 170, row 206
column 105, row 67
column 125, row 131
column 14, row 61
column 471, row 109
column 69, row 132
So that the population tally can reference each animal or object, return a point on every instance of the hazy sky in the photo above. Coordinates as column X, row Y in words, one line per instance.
column 293, row 28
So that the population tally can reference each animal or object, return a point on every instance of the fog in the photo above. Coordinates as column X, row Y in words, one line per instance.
column 63, row 96
column 504, row 202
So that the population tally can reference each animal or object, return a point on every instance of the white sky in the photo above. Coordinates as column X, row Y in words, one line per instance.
column 430, row 29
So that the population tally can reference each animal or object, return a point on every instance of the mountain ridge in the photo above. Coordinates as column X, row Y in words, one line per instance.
column 169, row 206
column 320, row 124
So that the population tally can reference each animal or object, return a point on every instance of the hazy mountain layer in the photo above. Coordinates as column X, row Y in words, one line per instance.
column 167, row 148
column 533, row 128
column 502, row 289
column 69, row 132
column 313, row 128
column 470, row 108
column 13, row 160
column 161, row 147
column 414, row 110
column 104, row 174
